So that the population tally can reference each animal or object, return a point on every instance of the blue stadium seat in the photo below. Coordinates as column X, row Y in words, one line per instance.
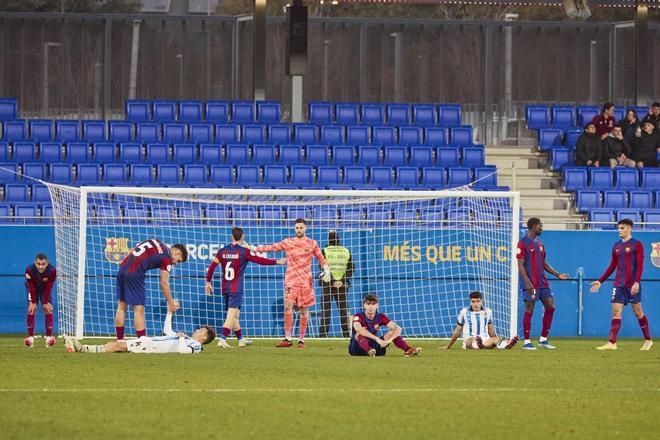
column 130, row 153
column 572, row 135
column 458, row 176
column 395, row 156
column 328, row 176
column 271, row 215
column 158, row 153
column 347, row 113
column 317, row 155
column 136, row 215
column 5, row 214
column 601, row 178
column 302, row 176
column 343, row 155
column 434, row 177
column 254, row 134
column 382, row 177
column 619, row 114
column 372, row 113
column 279, row 134
column 384, row 135
column 433, row 216
column 410, row 136
column 200, row 133
column 642, row 111
column 141, row 175
column 94, row 131
column 587, row 199
column 185, row 154
column 640, row 199
column 61, row 173
column 190, row 111
column 358, row 135
column 114, row 174
column 424, row 115
column 35, row 170
column 120, row 131
column 7, row 176
column 398, row 114
column 485, row 177
column 242, row 111
column 263, row 154
column 67, row 131
column 447, row 156
column 103, row 152
column 216, row 111
column 148, row 132
column 41, row 130
column 25, row 152
column 320, row 112
column 459, row 217
column 332, row 134
column 652, row 216
column 368, row 155
column 77, row 152
column 210, row 154
column 421, row 156
column 407, row 177
column 16, row 192
column 449, row 115
column 355, row 176
column 627, row 178
column 138, row 111
column 650, row 178
column 226, row 134
column 248, row 175
column 461, row 136
column 378, row 216
column 163, row 215
column 563, row 117
column 585, row 113
column 14, row 130
column 4, row 151
column 8, row 109
column 222, row 175
column 195, row 175
column 575, row 179
column 26, row 214
column 167, row 175
column 550, row 138
column 435, row 136
column 615, row 199
column 40, row 194
column 268, row 112
column 538, row 116
column 405, row 217
column 237, row 154
column 305, row 134
column 218, row 215
column 631, row 214
column 474, row 156
column 88, row 174
column 191, row 215
column 164, row 111
column 560, row 158
column 351, row 216
column 290, row 155
column 175, row 133
column 275, row 176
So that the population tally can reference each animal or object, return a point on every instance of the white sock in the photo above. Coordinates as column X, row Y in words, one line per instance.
column 527, row 341
column 475, row 345
column 167, row 326
column 501, row 345
column 542, row 339
column 93, row 348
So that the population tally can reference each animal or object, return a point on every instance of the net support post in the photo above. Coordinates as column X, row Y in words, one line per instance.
column 82, row 248
column 515, row 216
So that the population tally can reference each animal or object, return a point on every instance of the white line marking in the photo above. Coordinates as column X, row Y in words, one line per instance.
column 312, row 390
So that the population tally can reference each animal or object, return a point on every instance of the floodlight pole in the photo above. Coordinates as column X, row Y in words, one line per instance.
column 44, row 102
column 641, row 79
column 259, row 50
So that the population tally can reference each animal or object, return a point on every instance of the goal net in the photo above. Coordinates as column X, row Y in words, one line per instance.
column 421, row 252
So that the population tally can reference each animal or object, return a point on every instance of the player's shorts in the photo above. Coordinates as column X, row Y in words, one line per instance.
column 301, row 296
column 622, row 295
column 40, row 297
column 233, row 300
column 354, row 348
column 540, row 293
column 131, row 288
column 140, row 345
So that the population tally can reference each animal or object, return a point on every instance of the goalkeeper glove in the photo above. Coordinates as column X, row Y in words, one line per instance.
column 325, row 276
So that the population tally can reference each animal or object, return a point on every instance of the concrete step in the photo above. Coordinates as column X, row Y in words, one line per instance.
column 527, row 182
column 559, row 203
column 512, row 151
column 527, row 162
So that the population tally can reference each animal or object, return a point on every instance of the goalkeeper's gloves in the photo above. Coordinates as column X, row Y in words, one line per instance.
column 252, row 248
column 325, row 276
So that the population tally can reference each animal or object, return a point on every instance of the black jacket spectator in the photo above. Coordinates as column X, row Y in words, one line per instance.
column 630, row 124
column 654, row 116
column 644, row 149
column 613, row 148
column 588, row 149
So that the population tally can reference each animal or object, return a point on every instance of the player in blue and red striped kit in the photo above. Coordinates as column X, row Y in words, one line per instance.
column 533, row 284
column 131, row 289
column 234, row 259
column 628, row 260
column 39, row 279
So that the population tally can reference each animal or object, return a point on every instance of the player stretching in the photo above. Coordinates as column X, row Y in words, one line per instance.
column 364, row 334
column 298, row 278
column 628, row 260
column 39, row 279
column 476, row 324
column 533, row 283
column 233, row 259
column 148, row 255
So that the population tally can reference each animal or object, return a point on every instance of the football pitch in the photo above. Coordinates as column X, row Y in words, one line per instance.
column 320, row 392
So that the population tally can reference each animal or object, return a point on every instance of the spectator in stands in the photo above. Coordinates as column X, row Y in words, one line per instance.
column 588, row 150
column 630, row 125
column 646, row 145
column 616, row 149
column 654, row 116
column 605, row 121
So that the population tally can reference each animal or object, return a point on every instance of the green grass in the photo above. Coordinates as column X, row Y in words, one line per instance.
column 321, row 392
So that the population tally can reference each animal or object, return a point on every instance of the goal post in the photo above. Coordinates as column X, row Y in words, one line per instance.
column 421, row 252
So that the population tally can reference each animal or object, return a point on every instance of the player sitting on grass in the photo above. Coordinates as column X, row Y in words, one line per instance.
column 476, row 324
column 364, row 336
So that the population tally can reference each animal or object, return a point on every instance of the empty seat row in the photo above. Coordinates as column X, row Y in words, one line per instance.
column 577, row 178
column 606, row 218
column 565, row 117
column 196, row 111
column 637, row 199
column 400, row 114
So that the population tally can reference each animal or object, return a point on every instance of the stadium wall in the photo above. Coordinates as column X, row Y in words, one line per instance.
column 568, row 251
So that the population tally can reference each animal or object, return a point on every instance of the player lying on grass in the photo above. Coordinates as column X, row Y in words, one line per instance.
column 364, row 335
column 476, row 324
column 39, row 279
column 233, row 259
